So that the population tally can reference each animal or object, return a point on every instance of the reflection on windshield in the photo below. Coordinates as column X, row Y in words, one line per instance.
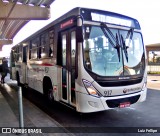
column 135, row 51
column 101, row 57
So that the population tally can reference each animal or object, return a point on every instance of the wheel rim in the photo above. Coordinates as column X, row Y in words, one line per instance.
column 50, row 95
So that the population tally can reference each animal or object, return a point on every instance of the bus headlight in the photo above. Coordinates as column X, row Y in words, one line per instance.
column 145, row 84
column 90, row 88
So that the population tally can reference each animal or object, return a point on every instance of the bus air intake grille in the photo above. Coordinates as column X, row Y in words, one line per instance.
column 116, row 102
column 119, row 83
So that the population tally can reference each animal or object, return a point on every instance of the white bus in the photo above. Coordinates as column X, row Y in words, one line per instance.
column 88, row 59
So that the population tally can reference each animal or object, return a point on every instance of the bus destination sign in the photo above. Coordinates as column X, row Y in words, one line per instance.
column 111, row 20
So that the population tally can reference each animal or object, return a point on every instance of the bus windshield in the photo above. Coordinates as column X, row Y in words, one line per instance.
column 113, row 52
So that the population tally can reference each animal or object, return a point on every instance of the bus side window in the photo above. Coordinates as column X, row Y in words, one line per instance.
column 19, row 53
column 51, row 43
column 43, row 45
column 47, row 42
column 50, row 52
column 34, row 48
column 13, row 59
column 25, row 54
column 59, row 50
column 14, row 54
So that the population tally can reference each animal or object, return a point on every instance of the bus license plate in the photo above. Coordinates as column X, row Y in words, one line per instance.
column 125, row 104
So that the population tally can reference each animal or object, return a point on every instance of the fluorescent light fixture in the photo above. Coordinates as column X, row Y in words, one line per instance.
column 6, row 1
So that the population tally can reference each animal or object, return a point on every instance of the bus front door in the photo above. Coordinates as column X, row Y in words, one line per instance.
column 68, row 41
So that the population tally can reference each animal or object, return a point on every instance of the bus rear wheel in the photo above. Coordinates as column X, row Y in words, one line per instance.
column 48, row 91
column 50, row 96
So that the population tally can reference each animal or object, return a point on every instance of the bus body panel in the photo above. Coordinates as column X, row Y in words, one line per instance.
column 76, row 90
column 88, row 103
column 36, row 74
column 20, row 72
column 121, row 90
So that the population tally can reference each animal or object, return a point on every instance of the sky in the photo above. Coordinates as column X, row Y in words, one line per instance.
column 145, row 11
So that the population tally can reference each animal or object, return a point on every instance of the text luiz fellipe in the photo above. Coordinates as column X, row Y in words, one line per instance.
column 147, row 131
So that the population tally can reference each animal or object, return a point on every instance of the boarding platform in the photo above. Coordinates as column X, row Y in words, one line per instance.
column 33, row 116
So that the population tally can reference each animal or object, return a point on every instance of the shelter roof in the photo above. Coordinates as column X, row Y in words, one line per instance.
column 14, row 14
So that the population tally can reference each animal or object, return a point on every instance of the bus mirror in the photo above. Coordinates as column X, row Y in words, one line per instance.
column 79, row 34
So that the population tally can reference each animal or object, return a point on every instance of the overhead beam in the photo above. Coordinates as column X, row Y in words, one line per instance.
column 6, row 41
column 23, row 12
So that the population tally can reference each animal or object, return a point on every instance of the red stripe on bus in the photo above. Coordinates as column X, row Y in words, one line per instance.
column 46, row 64
column 64, row 86
column 73, row 89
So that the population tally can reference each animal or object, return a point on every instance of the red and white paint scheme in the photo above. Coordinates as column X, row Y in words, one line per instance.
column 88, row 59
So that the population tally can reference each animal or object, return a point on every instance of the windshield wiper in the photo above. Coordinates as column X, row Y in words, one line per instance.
column 103, row 27
column 130, row 33
column 124, row 48
column 129, row 36
column 117, row 46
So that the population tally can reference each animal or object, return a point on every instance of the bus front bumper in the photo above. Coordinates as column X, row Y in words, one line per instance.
column 88, row 103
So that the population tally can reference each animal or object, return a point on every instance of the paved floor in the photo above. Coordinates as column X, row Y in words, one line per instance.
column 33, row 116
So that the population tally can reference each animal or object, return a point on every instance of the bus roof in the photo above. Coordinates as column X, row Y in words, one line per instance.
column 100, row 16
column 94, row 15
column 109, row 18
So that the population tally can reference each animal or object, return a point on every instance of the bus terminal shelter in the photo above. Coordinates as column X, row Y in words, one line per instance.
column 153, row 58
column 14, row 14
